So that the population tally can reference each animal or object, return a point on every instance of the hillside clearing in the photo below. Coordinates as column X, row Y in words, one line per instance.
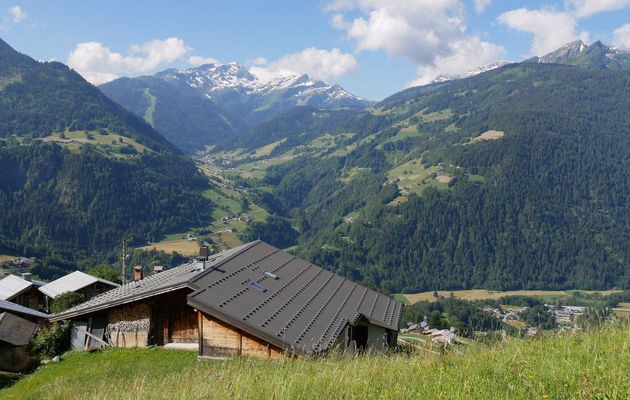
column 482, row 294
column 184, row 247
column 554, row 367
column 489, row 135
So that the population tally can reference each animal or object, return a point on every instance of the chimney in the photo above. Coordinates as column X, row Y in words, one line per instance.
column 27, row 276
column 137, row 272
column 157, row 269
column 204, row 252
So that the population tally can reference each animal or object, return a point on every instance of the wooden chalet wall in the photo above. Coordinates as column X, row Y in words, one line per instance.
column 218, row 339
column 32, row 298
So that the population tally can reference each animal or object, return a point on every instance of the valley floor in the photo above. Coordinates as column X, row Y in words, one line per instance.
column 586, row 365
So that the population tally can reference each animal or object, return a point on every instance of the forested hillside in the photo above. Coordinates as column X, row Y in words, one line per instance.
column 185, row 118
column 515, row 178
column 80, row 173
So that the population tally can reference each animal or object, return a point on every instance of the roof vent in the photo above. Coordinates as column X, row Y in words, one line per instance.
column 271, row 275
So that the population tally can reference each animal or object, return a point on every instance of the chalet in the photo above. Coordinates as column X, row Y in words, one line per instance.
column 23, row 291
column 253, row 300
column 78, row 282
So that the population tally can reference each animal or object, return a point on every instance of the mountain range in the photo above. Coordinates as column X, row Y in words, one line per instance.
column 202, row 106
column 517, row 177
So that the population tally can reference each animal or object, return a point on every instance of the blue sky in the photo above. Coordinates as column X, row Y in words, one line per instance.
column 373, row 48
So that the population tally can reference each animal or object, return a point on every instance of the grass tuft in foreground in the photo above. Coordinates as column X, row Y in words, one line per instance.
column 586, row 365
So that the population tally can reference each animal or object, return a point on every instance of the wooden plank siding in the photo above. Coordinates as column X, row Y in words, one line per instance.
column 219, row 339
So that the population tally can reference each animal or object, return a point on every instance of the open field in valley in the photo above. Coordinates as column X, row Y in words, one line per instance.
column 482, row 294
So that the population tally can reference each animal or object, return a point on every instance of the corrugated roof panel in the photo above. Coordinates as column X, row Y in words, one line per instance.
column 72, row 282
column 11, row 286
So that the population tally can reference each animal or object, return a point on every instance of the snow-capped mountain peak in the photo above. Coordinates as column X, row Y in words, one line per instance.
column 466, row 74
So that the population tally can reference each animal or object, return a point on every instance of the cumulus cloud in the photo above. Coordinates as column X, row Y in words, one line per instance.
column 432, row 34
column 196, row 61
column 551, row 29
column 98, row 64
column 13, row 16
column 621, row 37
column 317, row 63
column 17, row 14
column 585, row 8
column 465, row 56
column 481, row 5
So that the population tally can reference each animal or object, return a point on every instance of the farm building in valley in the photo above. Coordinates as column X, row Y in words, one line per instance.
column 23, row 291
column 78, row 282
column 253, row 300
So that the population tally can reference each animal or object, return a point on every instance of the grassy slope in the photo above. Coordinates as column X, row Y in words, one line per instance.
column 582, row 366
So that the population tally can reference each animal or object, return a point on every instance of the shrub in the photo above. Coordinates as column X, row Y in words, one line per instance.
column 65, row 301
column 50, row 341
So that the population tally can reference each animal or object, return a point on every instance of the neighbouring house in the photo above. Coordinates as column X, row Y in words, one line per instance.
column 253, row 300
column 15, row 334
column 78, row 282
column 23, row 291
column 443, row 336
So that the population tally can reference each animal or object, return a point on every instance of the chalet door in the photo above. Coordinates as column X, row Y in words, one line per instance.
column 360, row 336
column 182, row 324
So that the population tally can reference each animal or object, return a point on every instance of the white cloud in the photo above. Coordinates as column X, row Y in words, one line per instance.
column 551, row 29
column 317, row 63
column 196, row 61
column 465, row 56
column 17, row 14
column 13, row 16
column 621, row 37
column 585, row 8
column 481, row 5
column 430, row 33
column 98, row 64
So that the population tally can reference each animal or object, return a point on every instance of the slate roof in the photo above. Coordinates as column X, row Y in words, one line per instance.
column 11, row 286
column 18, row 309
column 163, row 282
column 288, row 301
column 15, row 330
column 72, row 282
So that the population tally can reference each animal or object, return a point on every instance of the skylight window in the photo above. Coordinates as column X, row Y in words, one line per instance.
column 258, row 287
column 270, row 275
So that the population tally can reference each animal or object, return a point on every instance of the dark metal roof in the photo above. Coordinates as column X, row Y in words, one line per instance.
column 18, row 309
column 15, row 330
column 167, row 281
column 288, row 301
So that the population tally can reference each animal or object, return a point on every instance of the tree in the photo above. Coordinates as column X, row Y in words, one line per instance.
column 106, row 272
column 66, row 300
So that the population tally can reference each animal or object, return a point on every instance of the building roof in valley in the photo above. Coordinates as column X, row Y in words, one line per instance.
column 15, row 330
column 72, row 282
column 18, row 309
column 12, row 285
column 163, row 282
column 287, row 301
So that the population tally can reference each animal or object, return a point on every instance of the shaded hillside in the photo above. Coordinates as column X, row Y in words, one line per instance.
column 185, row 118
column 79, row 172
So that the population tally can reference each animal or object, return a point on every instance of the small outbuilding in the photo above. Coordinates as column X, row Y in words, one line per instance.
column 15, row 334
column 78, row 282
column 22, row 290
